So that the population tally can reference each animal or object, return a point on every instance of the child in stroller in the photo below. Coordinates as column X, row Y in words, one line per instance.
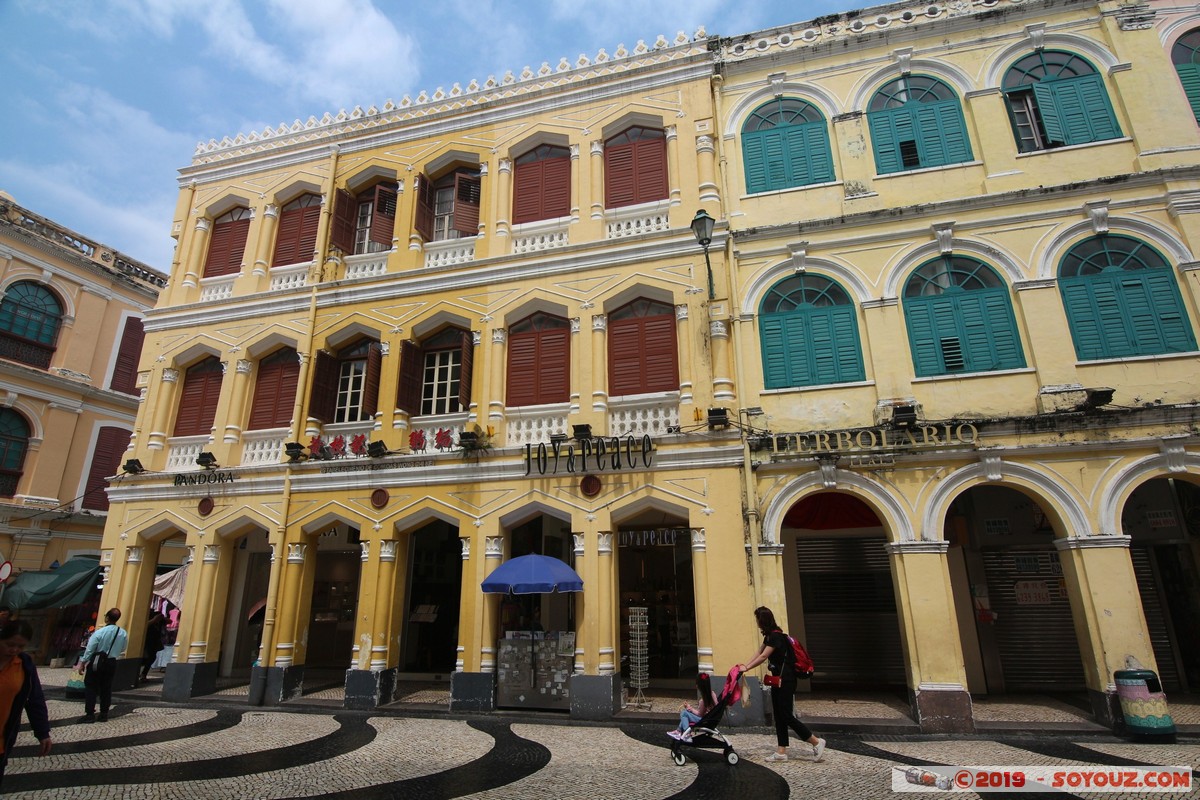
column 703, row 732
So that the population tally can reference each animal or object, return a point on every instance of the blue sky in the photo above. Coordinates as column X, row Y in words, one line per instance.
column 105, row 100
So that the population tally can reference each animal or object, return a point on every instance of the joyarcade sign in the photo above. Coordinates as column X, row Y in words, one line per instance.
column 599, row 454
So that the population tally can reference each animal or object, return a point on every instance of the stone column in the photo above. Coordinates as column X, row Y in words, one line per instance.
column 164, row 404
column 497, row 372
column 198, row 250
column 265, row 242
column 504, row 198
column 683, row 335
column 600, row 366
column 704, row 642
column 723, row 387
column 937, row 679
column 672, row 134
column 576, row 180
column 1107, row 607
column 472, row 687
column 239, row 393
column 597, row 180
column 706, row 165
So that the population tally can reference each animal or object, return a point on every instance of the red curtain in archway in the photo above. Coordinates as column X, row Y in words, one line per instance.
column 830, row 511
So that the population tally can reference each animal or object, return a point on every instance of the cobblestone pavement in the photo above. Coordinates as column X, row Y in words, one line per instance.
column 223, row 749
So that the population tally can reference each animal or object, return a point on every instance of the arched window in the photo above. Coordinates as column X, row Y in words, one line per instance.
column 30, row 317
column 539, row 360
column 642, row 353
column 435, row 375
column 297, row 235
column 14, row 441
column 635, row 167
column 960, row 318
column 275, row 390
column 917, row 122
column 366, row 222
column 448, row 207
column 785, row 143
column 1057, row 98
column 346, row 384
column 542, row 184
column 228, row 243
column 1185, row 55
column 198, row 398
column 1122, row 299
column 809, row 333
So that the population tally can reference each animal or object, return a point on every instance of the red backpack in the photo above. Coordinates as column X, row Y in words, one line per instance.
column 801, row 661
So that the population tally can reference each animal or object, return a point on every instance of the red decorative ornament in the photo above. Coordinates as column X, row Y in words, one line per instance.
column 358, row 445
column 590, row 485
column 416, row 441
column 444, row 439
column 338, row 445
column 205, row 506
column 379, row 498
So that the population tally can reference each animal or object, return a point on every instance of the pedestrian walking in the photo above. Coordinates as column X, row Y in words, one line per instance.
column 776, row 650
column 99, row 665
column 156, row 639
column 20, row 690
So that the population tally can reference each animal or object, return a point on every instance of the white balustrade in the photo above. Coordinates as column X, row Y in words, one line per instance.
column 289, row 277
column 636, row 220
column 182, row 452
column 453, row 424
column 643, row 414
column 216, row 289
column 533, row 237
column 366, row 265
column 263, row 447
column 449, row 251
column 533, row 424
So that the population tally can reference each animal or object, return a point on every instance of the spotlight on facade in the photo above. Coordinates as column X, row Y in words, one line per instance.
column 134, row 467
column 295, row 452
column 718, row 418
column 376, row 449
column 558, row 438
column 581, row 432
column 904, row 416
column 468, row 439
column 207, row 460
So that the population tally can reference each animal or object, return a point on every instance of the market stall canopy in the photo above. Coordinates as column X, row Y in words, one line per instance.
column 169, row 585
column 68, row 585
column 533, row 574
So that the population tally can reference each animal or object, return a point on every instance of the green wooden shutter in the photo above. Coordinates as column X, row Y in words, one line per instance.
column 775, row 160
column 814, row 141
column 847, row 363
column 888, row 129
column 942, row 134
column 987, row 330
column 772, row 333
column 754, row 161
column 1175, row 327
column 1076, row 110
column 1082, row 318
column 1189, row 76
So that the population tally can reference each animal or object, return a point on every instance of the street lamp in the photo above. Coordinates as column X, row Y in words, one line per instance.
column 702, row 226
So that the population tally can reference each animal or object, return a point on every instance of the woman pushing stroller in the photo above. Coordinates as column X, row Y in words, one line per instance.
column 776, row 650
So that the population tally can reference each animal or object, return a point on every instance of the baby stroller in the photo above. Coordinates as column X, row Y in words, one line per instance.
column 704, row 732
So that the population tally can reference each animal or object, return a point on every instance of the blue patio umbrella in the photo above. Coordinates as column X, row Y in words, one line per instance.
column 533, row 574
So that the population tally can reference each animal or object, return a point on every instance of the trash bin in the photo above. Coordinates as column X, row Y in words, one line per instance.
column 1143, row 703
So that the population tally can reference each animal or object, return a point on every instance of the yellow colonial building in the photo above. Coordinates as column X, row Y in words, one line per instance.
column 71, row 315
column 927, row 388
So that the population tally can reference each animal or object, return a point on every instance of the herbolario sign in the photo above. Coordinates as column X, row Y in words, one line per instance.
column 590, row 455
column 874, row 447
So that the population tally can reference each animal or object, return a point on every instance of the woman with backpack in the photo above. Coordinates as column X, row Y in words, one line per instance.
column 776, row 650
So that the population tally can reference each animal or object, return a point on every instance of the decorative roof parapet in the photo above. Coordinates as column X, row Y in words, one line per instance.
column 823, row 30
column 330, row 126
column 107, row 259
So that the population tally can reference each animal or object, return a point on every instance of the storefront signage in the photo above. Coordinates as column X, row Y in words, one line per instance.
column 653, row 537
column 1032, row 593
column 374, row 465
column 601, row 454
column 202, row 478
column 879, row 440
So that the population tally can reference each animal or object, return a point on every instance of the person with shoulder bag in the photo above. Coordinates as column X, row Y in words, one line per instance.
column 99, row 665
column 777, row 651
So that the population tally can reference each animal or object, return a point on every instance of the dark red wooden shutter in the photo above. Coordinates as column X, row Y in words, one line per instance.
column 554, row 366
column 370, row 395
column 556, row 188
column 322, row 406
column 275, row 390
column 286, row 237
column 527, row 191
column 225, row 248
column 412, row 377
column 466, row 204
column 660, row 356
column 642, row 355
column 424, row 221
column 310, row 223
column 522, row 369
column 198, row 400
column 106, row 460
column 468, row 367
column 650, row 167
column 383, row 221
column 620, row 183
column 345, row 219
column 624, row 357
column 124, row 377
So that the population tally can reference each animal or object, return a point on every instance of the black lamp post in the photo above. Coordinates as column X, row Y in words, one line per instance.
column 702, row 226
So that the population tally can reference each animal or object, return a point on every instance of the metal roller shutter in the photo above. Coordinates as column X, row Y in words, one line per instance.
column 1156, row 617
column 1034, row 632
column 850, row 622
